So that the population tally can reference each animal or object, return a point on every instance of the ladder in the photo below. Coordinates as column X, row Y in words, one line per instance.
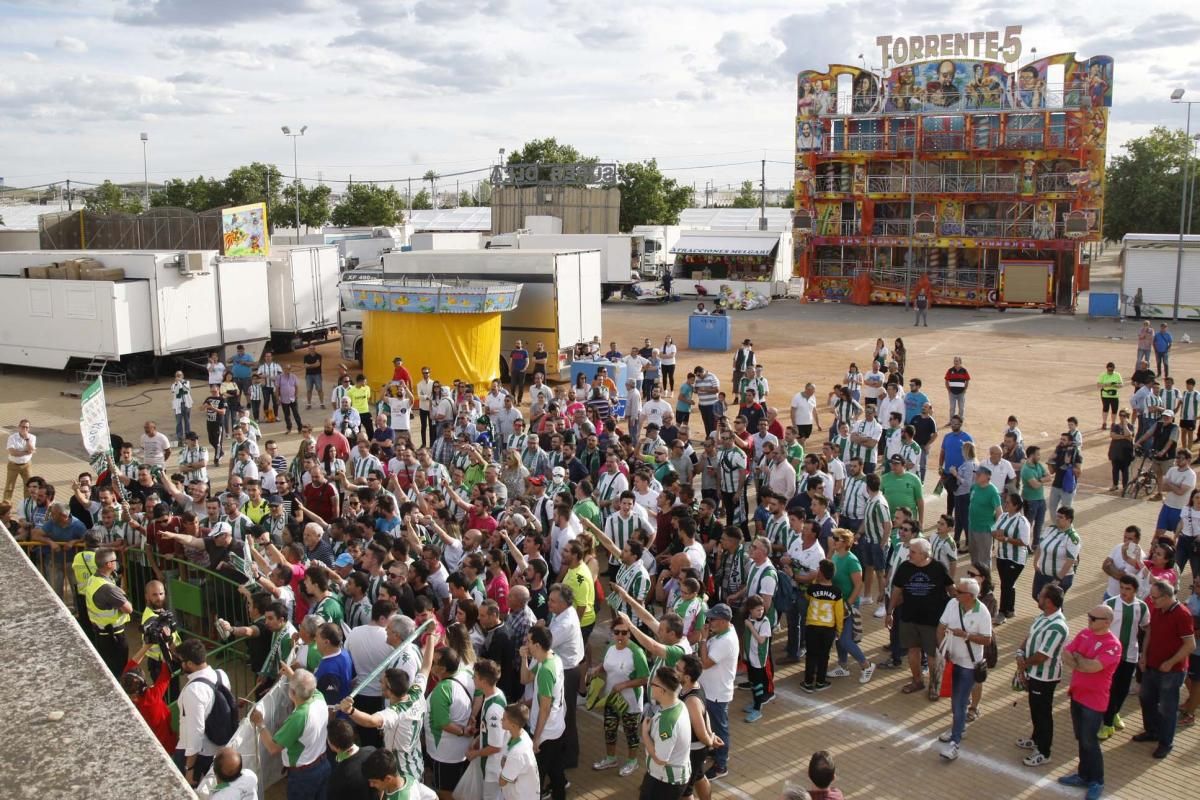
column 99, row 367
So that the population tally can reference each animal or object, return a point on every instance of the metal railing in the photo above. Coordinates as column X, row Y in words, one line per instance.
column 1055, row 182
column 833, row 268
column 944, row 184
column 832, row 183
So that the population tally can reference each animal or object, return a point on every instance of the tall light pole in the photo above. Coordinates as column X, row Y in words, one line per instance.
column 1192, row 189
column 145, row 168
column 1177, row 97
column 295, row 172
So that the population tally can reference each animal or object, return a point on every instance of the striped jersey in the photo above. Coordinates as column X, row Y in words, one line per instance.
column 634, row 579
column 841, row 446
column 1055, row 547
column 402, row 724
column 757, row 652
column 731, row 469
column 943, row 549
column 609, row 487
column 620, row 529
column 1189, row 408
column 777, row 530
column 1047, row 635
column 1013, row 526
column 188, row 458
column 876, row 516
column 910, row 451
column 693, row 612
column 761, row 579
column 872, row 430
column 845, row 410
column 854, row 497
column 1128, row 619
column 364, row 465
column 1170, row 398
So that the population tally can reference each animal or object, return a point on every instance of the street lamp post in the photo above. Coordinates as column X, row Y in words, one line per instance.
column 145, row 168
column 1177, row 97
column 295, row 173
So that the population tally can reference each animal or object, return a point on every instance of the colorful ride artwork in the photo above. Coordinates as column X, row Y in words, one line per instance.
column 977, row 184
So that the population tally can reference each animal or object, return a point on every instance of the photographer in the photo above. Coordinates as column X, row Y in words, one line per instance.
column 150, row 699
column 159, row 628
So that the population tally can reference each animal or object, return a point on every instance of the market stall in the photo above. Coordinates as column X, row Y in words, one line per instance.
column 735, row 263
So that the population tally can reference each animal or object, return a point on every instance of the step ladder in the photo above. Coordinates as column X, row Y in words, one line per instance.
column 100, row 367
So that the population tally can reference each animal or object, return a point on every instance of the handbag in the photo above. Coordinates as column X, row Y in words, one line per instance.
column 981, row 667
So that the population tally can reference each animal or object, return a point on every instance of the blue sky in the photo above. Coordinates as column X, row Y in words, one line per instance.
column 391, row 88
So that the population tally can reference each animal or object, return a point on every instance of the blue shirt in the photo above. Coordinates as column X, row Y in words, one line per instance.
column 952, row 446
column 1162, row 342
column 71, row 531
column 334, row 675
column 241, row 364
column 913, row 403
column 518, row 359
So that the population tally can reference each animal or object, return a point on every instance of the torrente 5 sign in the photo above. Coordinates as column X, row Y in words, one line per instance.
column 988, row 45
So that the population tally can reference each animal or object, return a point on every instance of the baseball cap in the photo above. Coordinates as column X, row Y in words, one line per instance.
column 218, row 529
column 275, row 500
column 343, row 561
column 1168, row 412
column 559, row 472
column 538, row 480
column 720, row 611
column 896, row 459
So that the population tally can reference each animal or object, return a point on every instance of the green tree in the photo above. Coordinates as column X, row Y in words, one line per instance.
column 315, row 209
column 108, row 198
column 647, row 198
column 747, row 196
column 546, row 151
column 366, row 204
column 465, row 198
column 422, row 200
column 249, row 184
column 789, row 200
column 1144, row 185
column 198, row 194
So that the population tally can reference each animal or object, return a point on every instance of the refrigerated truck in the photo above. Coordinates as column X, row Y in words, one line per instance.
column 302, row 292
column 1152, row 262
column 620, row 253
column 169, row 304
column 560, row 303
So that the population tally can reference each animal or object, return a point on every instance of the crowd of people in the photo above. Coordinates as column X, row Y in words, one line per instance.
column 553, row 556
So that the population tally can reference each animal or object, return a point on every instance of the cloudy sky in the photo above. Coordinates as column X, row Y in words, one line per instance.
column 391, row 88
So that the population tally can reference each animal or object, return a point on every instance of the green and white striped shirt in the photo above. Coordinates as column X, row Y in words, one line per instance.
column 872, row 430
column 1190, row 405
column 609, row 487
column 841, row 446
column 193, row 455
column 634, row 579
column 620, row 530
column 854, row 497
column 1047, row 635
column 943, row 549
column 1014, row 526
column 877, row 514
column 761, row 579
column 1055, row 548
column 1170, row 399
column 911, row 453
column 1128, row 619
column 731, row 469
column 777, row 530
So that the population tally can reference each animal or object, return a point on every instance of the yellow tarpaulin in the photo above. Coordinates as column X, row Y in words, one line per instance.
column 463, row 346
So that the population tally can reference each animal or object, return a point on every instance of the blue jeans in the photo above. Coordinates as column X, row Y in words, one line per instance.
column 1142, row 355
column 957, row 405
column 924, row 461
column 795, row 628
column 183, row 424
column 1160, row 704
column 314, row 383
column 1086, row 722
column 962, row 682
column 1161, row 363
column 846, row 646
column 718, row 717
column 311, row 783
column 1035, row 512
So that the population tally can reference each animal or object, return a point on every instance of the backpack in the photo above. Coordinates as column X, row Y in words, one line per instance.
column 222, row 720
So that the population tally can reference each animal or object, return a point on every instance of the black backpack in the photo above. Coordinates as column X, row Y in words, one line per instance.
column 222, row 720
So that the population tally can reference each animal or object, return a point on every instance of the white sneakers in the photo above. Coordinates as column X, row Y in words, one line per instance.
column 867, row 672
column 950, row 751
column 838, row 672
column 880, row 612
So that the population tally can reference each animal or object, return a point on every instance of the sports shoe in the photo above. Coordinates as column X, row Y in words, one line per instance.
column 948, row 735
column 867, row 601
column 1035, row 759
column 867, row 672
column 746, row 685
column 1162, row 751
column 1072, row 780
column 880, row 612
column 999, row 619
column 746, row 709
column 1094, row 791
column 1145, row 736
column 1105, row 732
column 821, row 686
column 768, row 698
column 1026, row 744
column 608, row 762
column 950, row 752
column 1118, row 723
column 629, row 767
column 753, row 715
column 715, row 773
column 838, row 672
column 809, row 687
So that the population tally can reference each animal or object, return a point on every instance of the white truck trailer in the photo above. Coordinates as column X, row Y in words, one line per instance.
column 1151, row 262
column 620, row 253
column 559, row 306
column 169, row 304
column 302, row 290
column 656, row 253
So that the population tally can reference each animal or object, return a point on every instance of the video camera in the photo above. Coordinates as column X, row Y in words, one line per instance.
column 159, row 628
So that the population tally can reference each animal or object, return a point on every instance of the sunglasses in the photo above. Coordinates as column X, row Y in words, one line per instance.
column 1093, row 618
column 974, row 575
column 621, row 633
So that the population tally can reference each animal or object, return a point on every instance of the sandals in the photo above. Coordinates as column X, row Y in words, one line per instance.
column 1187, row 719
column 912, row 688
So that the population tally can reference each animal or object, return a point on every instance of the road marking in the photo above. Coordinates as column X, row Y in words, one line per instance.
column 900, row 734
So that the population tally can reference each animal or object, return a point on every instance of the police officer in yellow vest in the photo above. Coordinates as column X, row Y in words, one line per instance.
column 108, row 610
column 83, row 567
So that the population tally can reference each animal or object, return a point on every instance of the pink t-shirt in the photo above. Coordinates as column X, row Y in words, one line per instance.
column 1091, row 689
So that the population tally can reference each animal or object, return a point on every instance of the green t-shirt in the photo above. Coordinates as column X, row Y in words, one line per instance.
column 290, row 735
column 984, row 502
column 587, row 509
column 844, row 567
column 1110, row 384
column 795, row 452
column 330, row 609
column 1028, row 472
column 903, row 490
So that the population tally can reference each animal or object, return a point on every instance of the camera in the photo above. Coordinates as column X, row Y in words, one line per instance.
column 159, row 628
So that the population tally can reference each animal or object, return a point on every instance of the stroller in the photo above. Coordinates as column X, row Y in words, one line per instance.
column 1143, row 480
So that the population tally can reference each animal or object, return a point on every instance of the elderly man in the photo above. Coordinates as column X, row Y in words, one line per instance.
column 301, row 738
column 1169, row 642
column 568, row 644
column 62, row 532
column 1092, row 656
column 968, row 625
column 918, row 598
column 234, row 781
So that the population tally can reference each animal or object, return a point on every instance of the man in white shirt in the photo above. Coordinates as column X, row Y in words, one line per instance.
column 519, row 778
column 568, row 644
column 368, row 647
column 234, row 782
column 156, row 447
column 21, row 446
column 804, row 411
column 891, row 401
column 873, row 385
column 425, row 403
column 1177, row 485
column 1002, row 468
column 719, row 656
column 780, row 474
column 635, row 365
column 552, row 708
column 195, row 752
column 270, row 372
column 654, row 410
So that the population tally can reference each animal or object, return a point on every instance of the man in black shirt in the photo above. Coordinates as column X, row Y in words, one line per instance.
column 498, row 646
column 921, row 588
column 347, row 781
column 924, row 433
column 214, row 415
column 312, row 377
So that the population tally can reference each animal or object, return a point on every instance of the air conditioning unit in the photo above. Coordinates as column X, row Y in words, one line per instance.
column 192, row 263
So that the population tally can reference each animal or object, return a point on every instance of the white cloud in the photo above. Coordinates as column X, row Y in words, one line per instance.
column 32, row 58
column 71, row 44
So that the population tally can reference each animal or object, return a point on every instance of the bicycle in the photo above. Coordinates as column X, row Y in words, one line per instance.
column 1143, row 479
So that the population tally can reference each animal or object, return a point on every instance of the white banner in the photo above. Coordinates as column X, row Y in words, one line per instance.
column 93, row 419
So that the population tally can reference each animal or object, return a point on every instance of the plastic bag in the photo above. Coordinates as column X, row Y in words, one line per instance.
column 470, row 785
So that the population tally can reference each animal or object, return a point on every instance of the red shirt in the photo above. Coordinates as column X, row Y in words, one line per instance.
column 154, row 535
column 776, row 429
column 1167, row 632
column 319, row 500
column 153, row 709
column 341, row 444
column 497, row 590
column 400, row 374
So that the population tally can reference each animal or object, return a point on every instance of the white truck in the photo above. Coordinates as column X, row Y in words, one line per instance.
column 302, row 293
column 656, row 254
column 620, row 253
column 559, row 306
column 168, row 304
column 1150, row 262
column 364, row 247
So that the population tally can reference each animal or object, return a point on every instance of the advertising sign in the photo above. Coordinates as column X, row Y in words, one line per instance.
column 244, row 231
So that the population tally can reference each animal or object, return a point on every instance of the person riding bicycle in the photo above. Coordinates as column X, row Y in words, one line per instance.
column 1159, row 443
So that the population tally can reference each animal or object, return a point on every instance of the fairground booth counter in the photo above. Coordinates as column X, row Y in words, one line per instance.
column 709, row 262
column 956, row 167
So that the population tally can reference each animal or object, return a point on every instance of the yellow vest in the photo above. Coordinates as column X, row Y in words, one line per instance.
column 84, row 567
column 102, row 618
column 256, row 513
column 155, row 652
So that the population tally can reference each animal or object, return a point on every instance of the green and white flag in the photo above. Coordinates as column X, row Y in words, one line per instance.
column 93, row 420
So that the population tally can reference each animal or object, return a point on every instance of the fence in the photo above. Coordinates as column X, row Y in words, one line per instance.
column 162, row 228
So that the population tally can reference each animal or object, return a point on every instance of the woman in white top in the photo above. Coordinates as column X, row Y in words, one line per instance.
column 853, row 381
column 881, row 355
column 1187, row 545
column 181, row 404
column 666, row 359
column 624, row 670
column 513, row 474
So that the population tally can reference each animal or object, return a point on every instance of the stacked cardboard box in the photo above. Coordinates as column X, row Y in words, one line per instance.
column 76, row 269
